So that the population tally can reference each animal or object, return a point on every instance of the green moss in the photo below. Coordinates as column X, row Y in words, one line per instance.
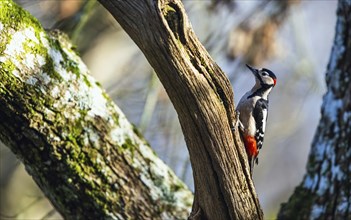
column 177, row 186
column 5, row 38
column 136, row 131
column 78, row 169
column 99, row 85
column 31, row 47
column 77, row 128
column 70, row 65
column 125, row 146
column 168, row 9
column 11, row 14
column 21, row 20
column 72, row 139
column 50, row 70
column 299, row 205
column 62, row 43
column 174, row 18
column 55, row 37
column 56, row 154
column 128, row 145
column 6, row 68
column 171, row 16
column 85, row 78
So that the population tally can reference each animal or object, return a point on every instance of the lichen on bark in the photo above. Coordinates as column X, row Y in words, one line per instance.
column 325, row 190
column 74, row 141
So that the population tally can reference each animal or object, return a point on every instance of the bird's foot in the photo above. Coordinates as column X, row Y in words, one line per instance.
column 237, row 122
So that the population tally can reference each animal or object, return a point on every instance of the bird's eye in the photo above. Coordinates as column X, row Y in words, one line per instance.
column 264, row 74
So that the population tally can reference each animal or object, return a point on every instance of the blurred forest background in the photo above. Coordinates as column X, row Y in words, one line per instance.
column 292, row 38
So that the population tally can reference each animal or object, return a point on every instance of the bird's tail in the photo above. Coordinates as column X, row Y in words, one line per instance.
column 251, row 150
column 252, row 164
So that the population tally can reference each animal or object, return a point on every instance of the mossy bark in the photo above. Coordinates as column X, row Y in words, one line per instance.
column 73, row 140
column 203, row 98
column 325, row 192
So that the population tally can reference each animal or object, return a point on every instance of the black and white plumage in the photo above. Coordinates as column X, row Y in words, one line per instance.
column 253, row 109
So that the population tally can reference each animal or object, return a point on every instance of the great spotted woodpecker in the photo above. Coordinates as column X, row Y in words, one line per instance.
column 253, row 109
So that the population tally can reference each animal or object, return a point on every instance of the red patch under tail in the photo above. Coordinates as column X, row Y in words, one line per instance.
column 251, row 150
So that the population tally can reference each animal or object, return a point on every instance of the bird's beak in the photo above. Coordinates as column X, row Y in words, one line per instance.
column 253, row 70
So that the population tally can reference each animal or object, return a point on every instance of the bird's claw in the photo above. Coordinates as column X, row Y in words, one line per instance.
column 238, row 122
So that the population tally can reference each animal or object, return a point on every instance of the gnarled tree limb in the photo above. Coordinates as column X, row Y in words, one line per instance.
column 203, row 99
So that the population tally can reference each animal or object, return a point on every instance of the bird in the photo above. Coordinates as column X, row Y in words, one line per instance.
column 252, row 112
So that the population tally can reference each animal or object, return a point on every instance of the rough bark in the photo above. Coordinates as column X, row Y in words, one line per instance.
column 74, row 141
column 325, row 192
column 203, row 99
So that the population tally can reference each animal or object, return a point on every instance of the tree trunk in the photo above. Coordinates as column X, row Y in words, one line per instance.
column 74, row 141
column 203, row 99
column 325, row 192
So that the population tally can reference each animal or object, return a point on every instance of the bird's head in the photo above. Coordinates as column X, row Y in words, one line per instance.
column 264, row 76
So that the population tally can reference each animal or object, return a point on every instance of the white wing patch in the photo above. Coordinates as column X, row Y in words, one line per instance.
column 264, row 121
